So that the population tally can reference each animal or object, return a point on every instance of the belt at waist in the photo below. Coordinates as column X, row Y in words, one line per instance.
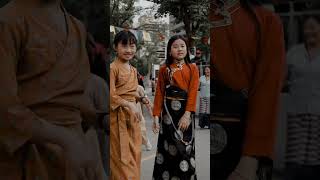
column 61, row 116
column 128, row 98
column 173, row 98
column 225, row 119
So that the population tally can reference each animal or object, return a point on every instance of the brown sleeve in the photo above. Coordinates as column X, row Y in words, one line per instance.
column 193, row 89
column 159, row 96
column 115, row 99
column 265, row 94
column 12, row 118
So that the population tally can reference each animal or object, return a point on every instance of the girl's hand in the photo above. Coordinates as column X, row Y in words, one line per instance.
column 149, row 106
column 134, row 111
column 156, row 126
column 185, row 121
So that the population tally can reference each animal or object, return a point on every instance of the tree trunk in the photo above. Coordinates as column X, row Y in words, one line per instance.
column 187, row 23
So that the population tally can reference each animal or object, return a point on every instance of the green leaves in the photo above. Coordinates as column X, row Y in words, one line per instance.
column 122, row 11
column 193, row 13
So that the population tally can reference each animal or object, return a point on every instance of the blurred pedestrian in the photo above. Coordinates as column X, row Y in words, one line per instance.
column 145, row 101
column 204, row 109
column 198, row 58
column 153, row 86
column 303, row 118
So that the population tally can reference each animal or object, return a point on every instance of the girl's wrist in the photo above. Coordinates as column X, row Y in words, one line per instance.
column 144, row 99
column 187, row 114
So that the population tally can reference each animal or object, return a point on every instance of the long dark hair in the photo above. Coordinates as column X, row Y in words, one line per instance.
column 170, row 59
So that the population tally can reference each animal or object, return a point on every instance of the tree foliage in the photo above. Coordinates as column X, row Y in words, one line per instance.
column 149, row 57
column 193, row 13
column 149, row 52
column 122, row 11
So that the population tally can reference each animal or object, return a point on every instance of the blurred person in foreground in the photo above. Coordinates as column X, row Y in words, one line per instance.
column 248, row 56
column 44, row 71
column 97, row 91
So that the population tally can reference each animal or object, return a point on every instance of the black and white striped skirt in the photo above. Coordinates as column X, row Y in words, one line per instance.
column 204, row 105
column 303, row 139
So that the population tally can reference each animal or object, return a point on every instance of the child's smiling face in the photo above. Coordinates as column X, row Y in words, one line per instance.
column 126, row 51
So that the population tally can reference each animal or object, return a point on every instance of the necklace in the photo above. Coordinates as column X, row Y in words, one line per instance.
column 180, row 64
column 170, row 71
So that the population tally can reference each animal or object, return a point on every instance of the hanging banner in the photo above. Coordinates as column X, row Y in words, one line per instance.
column 112, row 29
column 135, row 32
column 146, row 36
